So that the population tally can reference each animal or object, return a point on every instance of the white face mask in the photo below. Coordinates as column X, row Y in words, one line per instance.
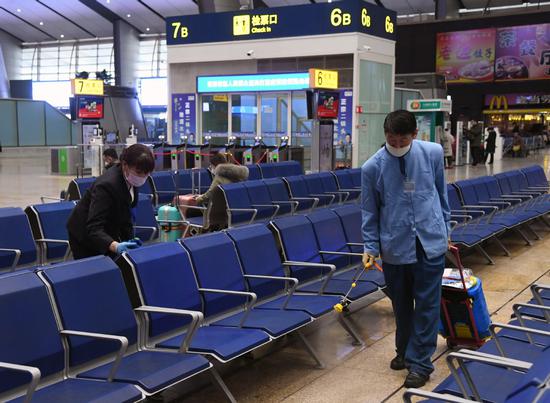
column 398, row 152
column 135, row 180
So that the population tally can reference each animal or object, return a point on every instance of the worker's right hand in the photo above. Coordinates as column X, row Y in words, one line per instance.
column 126, row 246
column 368, row 260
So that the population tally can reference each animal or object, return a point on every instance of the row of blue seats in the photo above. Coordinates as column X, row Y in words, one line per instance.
column 153, row 320
column 264, row 199
column 487, row 207
column 514, row 367
column 164, row 185
column 38, row 234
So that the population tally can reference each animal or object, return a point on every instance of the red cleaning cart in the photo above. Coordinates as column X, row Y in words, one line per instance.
column 464, row 315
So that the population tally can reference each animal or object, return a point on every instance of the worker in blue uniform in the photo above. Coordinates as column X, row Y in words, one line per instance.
column 406, row 221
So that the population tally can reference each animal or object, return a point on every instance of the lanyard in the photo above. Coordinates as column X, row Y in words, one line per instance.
column 402, row 167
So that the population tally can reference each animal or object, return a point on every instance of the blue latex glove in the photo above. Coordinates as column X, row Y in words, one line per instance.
column 138, row 241
column 126, row 246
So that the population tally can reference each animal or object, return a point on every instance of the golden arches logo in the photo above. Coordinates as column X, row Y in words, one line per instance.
column 500, row 101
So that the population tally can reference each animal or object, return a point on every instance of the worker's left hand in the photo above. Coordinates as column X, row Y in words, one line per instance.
column 368, row 260
column 450, row 244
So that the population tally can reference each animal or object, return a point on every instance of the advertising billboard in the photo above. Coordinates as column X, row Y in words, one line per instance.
column 523, row 53
column 466, row 56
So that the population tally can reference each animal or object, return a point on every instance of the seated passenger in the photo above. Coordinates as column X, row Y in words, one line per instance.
column 110, row 158
column 223, row 173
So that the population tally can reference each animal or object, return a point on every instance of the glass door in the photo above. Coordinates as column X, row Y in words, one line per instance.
column 214, row 110
column 274, row 117
column 244, row 117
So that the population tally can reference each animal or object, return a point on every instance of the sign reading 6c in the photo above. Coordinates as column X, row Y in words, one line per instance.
column 389, row 25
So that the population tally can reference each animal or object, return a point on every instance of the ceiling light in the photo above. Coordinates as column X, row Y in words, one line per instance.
column 147, row 29
column 62, row 36
column 41, row 23
column 128, row 15
column 107, row 1
column 18, row 10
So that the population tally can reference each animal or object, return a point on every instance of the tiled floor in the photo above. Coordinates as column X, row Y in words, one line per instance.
column 352, row 374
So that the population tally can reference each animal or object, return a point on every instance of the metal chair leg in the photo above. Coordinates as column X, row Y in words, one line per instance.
column 521, row 234
column 485, row 254
column 499, row 243
column 217, row 381
column 357, row 340
column 311, row 350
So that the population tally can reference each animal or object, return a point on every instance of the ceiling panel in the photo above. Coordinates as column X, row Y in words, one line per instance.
column 170, row 8
column 139, row 15
column 20, row 29
column 483, row 3
column 83, row 16
column 410, row 6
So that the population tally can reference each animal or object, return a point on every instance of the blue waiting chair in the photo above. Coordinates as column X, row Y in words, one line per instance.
column 299, row 245
column 163, row 186
column 345, row 181
column 279, row 193
column 268, row 170
column 162, row 275
column 49, row 226
column 254, row 172
column 258, row 193
column 335, row 249
column 145, row 224
column 96, row 315
column 314, row 185
column 17, row 246
column 330, row 184
column 240, row 209
column 535, row 176
column 79, row 186
column 298, row 190
column 31, row 350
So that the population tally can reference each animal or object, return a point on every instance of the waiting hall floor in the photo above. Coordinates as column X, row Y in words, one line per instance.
column 352, row 374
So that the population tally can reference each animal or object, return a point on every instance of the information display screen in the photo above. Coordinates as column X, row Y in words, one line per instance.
column 90, row 107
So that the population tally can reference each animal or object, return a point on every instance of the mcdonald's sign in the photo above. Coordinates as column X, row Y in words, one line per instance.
column 498, row 102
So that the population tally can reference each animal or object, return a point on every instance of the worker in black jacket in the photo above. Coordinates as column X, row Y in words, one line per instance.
column 101, row 222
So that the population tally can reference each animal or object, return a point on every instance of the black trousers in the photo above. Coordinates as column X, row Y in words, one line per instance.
column 491, row 155
column 476, row 155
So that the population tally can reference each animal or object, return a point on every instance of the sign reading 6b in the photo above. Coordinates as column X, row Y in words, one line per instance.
column 389, row 25
column 365, row 18
column 337, row 18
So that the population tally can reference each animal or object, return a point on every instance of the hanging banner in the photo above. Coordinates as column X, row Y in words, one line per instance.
column 343, row 124
column 523, row 53
column 184, row 117
column 466, row 56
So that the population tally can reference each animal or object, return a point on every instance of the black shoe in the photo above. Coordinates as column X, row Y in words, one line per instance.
column 415, row 380
column 398, row 363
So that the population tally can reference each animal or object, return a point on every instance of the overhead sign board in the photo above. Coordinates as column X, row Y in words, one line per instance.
column 253, row 82
column 326, row 79
column 80, row 86
column 279, row 22
column 429, row 105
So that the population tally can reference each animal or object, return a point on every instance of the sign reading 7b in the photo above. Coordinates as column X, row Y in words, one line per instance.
column 178, row 31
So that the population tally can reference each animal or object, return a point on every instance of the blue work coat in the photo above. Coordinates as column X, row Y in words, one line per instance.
column 392, row 217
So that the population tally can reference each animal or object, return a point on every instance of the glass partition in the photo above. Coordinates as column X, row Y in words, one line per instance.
column 244, row 116
column 300, row 126
column 274, row 117
column 214, row 112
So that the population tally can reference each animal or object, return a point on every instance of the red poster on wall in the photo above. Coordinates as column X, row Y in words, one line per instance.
column 327, row 105
column 466, row 56
column 523, row 53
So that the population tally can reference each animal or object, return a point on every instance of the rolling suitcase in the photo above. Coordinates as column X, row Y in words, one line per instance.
column 465, row 318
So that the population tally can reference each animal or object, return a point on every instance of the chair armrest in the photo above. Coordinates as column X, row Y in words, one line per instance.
column 154, row 229
column 498, row 203
column 354, row 244
column 294, row 281
column 331, row 267
column 324, row 195
column 545, row 310
column 293, row 203
column 466, row 355
column 102, row 336
column 166, row 191
column 42, row 198
column 528, row 331
column 248, row 306
column 202, row 208
column 535, row 290
column 34, row 373
column 48, row 240
column 315, row 200
column 196, row 320
column 442, row 397
column 249, row 210
column 329, row 252
column 274, row 206
column 492, row 208
column 17, row 256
